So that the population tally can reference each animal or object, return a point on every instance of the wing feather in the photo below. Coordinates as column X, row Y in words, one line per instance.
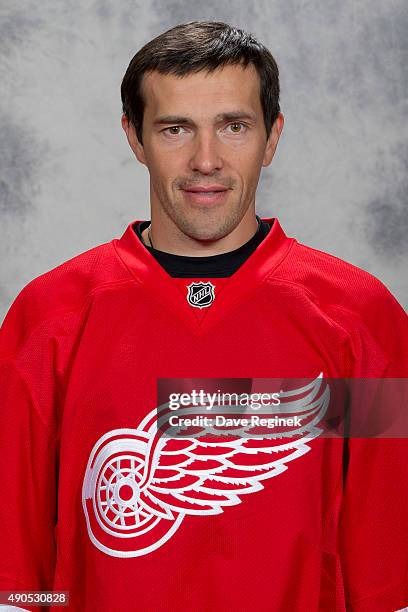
column 202, row 475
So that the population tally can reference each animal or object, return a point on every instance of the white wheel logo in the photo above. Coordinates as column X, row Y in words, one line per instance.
column 118, row 492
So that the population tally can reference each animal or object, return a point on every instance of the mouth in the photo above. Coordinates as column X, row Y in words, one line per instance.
column 204, row 195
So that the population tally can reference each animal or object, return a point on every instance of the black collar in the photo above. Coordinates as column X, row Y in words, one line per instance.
column 211, row 266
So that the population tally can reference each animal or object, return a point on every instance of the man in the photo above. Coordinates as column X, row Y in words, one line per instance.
column 98, row 501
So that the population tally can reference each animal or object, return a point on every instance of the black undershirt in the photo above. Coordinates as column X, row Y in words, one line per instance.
column 210, row 266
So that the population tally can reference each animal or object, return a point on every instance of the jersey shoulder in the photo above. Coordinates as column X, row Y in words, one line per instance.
column 64, row 289
column 334, row 282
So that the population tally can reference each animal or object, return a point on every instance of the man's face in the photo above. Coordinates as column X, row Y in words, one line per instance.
column 200, row 131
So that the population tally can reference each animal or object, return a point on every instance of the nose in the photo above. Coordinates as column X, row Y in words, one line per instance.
column 205, row 156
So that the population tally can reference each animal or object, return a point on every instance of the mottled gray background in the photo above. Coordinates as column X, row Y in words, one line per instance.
column 69, row 180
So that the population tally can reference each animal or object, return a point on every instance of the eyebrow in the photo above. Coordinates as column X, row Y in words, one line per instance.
column 231, row 116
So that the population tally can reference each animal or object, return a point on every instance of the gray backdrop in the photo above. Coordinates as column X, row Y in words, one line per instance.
column 69, row 180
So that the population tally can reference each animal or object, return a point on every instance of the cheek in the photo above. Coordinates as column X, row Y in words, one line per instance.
column 247, row 167
column 166, row 166
column 246, row 160
column 160, row 170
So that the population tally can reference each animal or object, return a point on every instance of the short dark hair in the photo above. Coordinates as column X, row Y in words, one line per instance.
column 194, row 46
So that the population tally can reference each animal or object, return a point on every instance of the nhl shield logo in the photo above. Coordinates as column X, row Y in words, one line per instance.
column 200, row 295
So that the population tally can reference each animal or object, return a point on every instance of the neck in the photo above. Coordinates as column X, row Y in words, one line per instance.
column 178, row 243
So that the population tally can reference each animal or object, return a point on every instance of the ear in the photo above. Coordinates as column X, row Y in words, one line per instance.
column 273, row 139
column 133, row 140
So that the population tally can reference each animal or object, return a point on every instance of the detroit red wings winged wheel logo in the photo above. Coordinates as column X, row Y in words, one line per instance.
column 139, row 486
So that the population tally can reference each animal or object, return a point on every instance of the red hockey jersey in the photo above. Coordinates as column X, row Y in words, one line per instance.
column 93, row 505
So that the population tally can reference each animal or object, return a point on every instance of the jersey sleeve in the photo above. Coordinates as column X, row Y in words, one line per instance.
column 28, row 456
column 373, row 524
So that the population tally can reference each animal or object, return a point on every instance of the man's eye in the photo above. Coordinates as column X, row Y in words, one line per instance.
column 237, row 123
column 173, row 127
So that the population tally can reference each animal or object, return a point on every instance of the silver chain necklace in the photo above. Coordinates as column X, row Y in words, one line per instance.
column 150, row 236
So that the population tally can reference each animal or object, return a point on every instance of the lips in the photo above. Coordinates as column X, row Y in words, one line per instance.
column 206, row 194
column 206, row 189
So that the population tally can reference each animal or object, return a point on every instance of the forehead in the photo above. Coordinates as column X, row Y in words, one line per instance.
column 218, row 91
